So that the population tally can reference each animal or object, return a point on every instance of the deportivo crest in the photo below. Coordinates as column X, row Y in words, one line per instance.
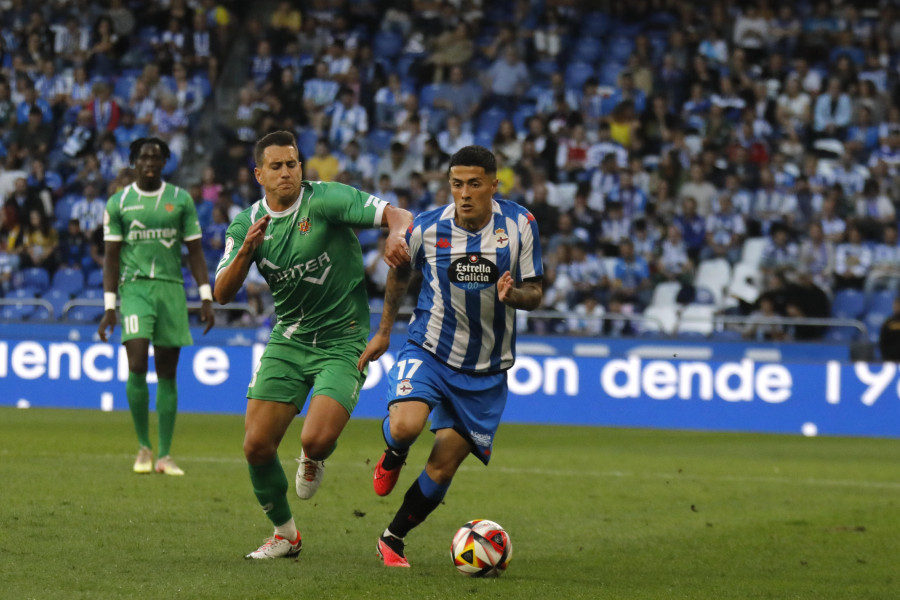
column 501, row 237
column 404, row 388
column 303, row 225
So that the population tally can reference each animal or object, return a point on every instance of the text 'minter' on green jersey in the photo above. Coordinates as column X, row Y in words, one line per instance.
column 312, row 260
column 152, row 226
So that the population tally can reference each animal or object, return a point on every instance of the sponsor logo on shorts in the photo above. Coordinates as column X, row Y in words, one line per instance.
column 404, row 388
column 481, row 439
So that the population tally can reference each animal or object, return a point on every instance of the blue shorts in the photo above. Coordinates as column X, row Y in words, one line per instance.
column 470, row 404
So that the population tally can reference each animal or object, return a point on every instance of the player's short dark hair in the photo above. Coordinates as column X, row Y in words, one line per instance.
column 276, row 138
column 475, row 156
column 134, row 150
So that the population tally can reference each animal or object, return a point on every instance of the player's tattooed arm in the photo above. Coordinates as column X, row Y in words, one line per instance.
column 394, row 293
column 527, row 296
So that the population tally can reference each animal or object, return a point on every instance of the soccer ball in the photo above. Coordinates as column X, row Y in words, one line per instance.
column 481, row 548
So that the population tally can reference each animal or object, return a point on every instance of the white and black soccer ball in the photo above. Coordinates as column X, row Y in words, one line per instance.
column 481, row 548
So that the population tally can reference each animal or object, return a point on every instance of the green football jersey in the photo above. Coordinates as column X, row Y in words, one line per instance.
column 152, row 228
column 312, row 261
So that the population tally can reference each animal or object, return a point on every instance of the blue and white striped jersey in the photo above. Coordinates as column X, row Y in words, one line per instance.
column 458, row 317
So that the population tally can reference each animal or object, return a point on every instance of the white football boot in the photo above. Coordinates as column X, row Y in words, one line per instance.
column 277, row 547
column 309, row 476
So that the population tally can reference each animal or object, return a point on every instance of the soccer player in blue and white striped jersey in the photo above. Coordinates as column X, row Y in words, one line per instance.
column 480, row 259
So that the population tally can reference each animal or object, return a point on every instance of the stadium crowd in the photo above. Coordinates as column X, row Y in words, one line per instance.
column 681, row 157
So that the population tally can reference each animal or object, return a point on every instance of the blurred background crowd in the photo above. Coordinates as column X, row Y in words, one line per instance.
column 695, row 167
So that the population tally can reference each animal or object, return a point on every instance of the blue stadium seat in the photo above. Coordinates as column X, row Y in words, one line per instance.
column 520, row 116
column 85, row 314
column 577, row 73
column 379, row 141
column 69, row 281
column 483, row 138
column 874, row 321
column 16, row 312
column 63, row 211
column 306, row 142
column 841, row 334
column 123, row 87
column 882, row 302
column 609, row 73
column 726, row 335
column 368, row 238
column 544, row 68
column 36, row 278
column 587, row 49
column 489, row 121
column 428, row 94
column 201, row 80
column 619, row 48
column 387, row 44
column 596, row 24
column 848, row 304
column 95, row 279
column 57, row 299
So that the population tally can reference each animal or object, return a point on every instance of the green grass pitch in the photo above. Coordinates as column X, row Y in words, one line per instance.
column 592, row 513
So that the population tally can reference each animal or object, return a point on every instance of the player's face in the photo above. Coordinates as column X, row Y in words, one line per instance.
column 148, row 166
column 472, row 191
column 280, row 175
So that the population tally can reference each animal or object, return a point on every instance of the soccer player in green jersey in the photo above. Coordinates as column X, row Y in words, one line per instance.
column 301, row 237
column 143, row 229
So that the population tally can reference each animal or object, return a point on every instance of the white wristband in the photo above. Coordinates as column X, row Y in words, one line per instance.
column 205, row 292
column 109, row 300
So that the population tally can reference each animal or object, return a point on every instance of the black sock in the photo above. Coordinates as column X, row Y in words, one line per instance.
column 415, row 508
column 394, row 458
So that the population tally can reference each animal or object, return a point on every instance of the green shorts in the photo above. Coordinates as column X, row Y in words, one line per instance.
column 155, row 310
column 329, row 369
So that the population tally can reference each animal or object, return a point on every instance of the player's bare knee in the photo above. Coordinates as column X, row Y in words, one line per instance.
column 317, row 446
column 405, row 432
column 258, row 451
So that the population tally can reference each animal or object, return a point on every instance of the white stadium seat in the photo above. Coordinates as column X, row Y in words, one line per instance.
column 697, row 318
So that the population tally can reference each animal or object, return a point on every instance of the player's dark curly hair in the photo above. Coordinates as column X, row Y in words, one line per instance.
column 276, row 138
column 134, row 150
column 475, row 156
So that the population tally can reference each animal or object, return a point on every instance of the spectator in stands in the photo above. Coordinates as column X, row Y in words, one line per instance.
column 74, row 248
column 398, row 164
column 40, row 243
column 763, row 325
column 633, row 199
column 889, row 335
column 780, row 252
column 614, row 228
column 170, row 124
column 693, row 228
column 324, row 164
column 771, row 205
column 817, row 256
column 832, row 224
column 376, row 270
column 31, row 139
column 348, row 120
column 451, row 49
column 454, row 137
column 673, row 263
column 572, row 155
column 505, row 80
column 558, row 282
column 697, row 187
column 806, row 300
column 725, row 231
column 458, row 95
column 630, row 280
column 832, row 112
column 389, row 101
column 873, row 207
column 90, row 208
column 885, row 271
column 852, row 261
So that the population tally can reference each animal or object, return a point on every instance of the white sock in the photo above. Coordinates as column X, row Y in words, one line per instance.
column 387, row 533
column 287, row 530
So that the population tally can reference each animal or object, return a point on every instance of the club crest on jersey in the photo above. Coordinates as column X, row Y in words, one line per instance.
column 169, row 207
column 303, row 225
column 473, row 272
column 501, row 237
column 404, row 388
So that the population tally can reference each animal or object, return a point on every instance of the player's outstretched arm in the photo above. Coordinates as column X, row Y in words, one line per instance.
column 398, row 220
column 197, row 263
column 527, row 296
column 232, row 277
column 394, row 292
column 111, row 254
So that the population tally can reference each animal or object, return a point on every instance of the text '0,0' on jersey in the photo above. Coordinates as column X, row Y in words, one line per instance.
column 152, row 227
column 311, row 259
column 458, row 316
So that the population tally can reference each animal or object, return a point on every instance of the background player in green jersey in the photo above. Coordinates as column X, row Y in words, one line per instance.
column 301, row 237
column 144, row 227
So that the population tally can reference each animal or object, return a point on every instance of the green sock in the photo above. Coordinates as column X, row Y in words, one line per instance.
column 270, row 485
column 139, row 403
column 166, row 407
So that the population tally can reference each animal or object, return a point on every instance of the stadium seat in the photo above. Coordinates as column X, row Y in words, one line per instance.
column 706, row 296
column 69, row 281
column 726, row 335
column 36, row 278
column 428, row 94
column 714, row 274
column 87, row 314
column 609, row 73
column 57, row 299
column 848, row 304
column 596, row 24
column 489, row 121
column 94, row 279
column 841, row 334
column 664, row 294
column 483, row 138
column 882, row 302
column 387, row 44
column 660, row 319
column 379, row 140
column 752, row 251
column 63, row 211
column 619, row 48
column 520, row 116
column 874, row 321
column 16, row 312
column 697, row 318
column 577, row 73
column 587, row 49
column 306, row 142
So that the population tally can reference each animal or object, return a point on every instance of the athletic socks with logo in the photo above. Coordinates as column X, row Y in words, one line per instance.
column 423, row 496
column 270, row 486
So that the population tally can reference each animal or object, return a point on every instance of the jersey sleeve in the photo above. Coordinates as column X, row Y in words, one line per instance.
column 414, row 243
column 234, row 239
column 190, row 224
column 348, row 206
column 112, row 219
column 530, row 261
